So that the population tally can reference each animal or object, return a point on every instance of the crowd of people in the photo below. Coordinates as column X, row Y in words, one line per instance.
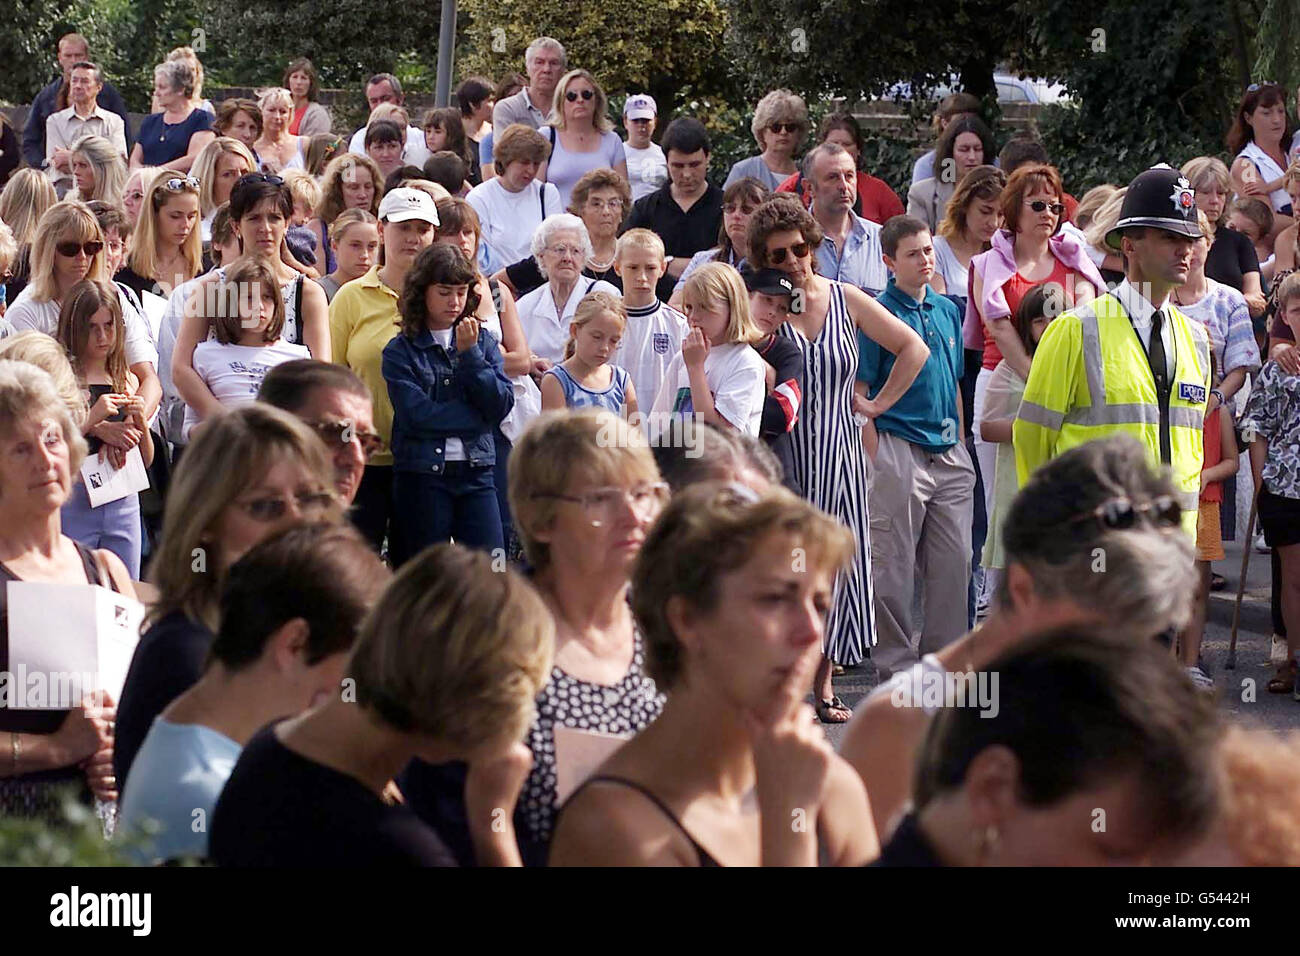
column 509, row 484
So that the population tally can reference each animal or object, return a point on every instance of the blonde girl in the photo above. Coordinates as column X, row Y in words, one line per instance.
column 586, row 379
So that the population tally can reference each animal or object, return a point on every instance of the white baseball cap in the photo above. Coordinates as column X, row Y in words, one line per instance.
column 640, row 106
column 399, row 205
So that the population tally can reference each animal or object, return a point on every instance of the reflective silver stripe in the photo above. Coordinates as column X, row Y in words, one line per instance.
column 1039, row 415
column 1189, row 500
column 1092, row 366
column 1134, row 414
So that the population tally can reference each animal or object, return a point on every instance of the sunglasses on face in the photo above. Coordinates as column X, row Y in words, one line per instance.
column 572, row 96
column 1039, row 205
column 70, row 249
column 1120, row 514
column 274, row 507
column 777, row 256
column 783, row 128
column 342, row 434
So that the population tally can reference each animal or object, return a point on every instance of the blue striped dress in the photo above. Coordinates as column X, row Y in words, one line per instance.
column 830, row 465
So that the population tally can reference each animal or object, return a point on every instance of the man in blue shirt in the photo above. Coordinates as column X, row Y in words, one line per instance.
column 850, row 248
column 73, row 49
column 922, row 482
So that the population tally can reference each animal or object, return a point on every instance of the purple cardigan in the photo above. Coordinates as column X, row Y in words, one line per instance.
column 998, row 265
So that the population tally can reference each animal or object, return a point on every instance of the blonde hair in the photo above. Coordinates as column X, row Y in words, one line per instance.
column 349, row 217
column 65, row 221
column 643, row 239
column 1261, row 796
column 228, row 455
column 559, row 447
column 592, row 306
column 600, row 102
column 710, row 530
column 110, row 171
column 205, row 168
column 1092, row 200
column 391, row 112
column 28, row 392
column 25, row 199
column 186, row 54
column 339, row 168
column 1103, row 221
column 1203, row 171
column 1207, row 227
column 143, row 258
column 454, row 650
column 271, row 95
column 8, row 247
column 778, row 106
column 303, row 187
column 37, row 348
column 716, row 284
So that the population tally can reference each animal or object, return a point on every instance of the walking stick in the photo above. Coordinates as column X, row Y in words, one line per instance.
column 1231, row 663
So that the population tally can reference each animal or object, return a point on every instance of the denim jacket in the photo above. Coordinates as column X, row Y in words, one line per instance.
column 438, row 395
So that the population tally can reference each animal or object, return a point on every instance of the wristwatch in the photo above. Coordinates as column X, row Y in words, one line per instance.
column 1219, row 395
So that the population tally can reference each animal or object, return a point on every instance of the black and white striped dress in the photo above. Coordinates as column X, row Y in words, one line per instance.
column 830, row 465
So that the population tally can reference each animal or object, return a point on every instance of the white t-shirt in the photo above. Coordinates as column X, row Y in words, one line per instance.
column 509, row 220
column 737, row 381
column 234, row 373
column 547, row 332
column 647, row 169
column 652, row 339
column 414, row 153
column 26, row 313
column 453, row 449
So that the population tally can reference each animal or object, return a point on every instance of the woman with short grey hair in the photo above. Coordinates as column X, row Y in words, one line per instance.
column 561, row 247
column 1092, row 540
column 174, row 136
column 780, row 126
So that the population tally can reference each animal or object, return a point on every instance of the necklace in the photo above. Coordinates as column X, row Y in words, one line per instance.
column 596, row 266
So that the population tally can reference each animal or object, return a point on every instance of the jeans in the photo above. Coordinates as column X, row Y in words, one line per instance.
column 114, row 526
column 460, row 504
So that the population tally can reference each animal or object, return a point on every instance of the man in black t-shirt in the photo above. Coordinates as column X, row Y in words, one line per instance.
column 686, row 212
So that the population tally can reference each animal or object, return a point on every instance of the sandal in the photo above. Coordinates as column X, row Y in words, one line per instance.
column 1283, row 681
column 826, row 708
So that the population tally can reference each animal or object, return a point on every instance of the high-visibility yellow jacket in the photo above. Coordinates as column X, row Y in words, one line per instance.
column 1091, row 378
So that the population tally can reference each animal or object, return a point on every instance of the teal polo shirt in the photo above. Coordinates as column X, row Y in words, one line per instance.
column 926, row 415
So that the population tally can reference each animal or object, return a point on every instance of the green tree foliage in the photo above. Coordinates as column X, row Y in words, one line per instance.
column 28, row 43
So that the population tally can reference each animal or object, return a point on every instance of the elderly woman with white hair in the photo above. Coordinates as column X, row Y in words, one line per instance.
column 98, row 171
column 277, row 148
column 174, row 136
column 561, row 247
column 780, row 125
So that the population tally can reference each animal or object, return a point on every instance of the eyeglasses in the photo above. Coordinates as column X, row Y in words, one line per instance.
column 344, row 433
column 70, row 249
column 274, row 507
column 180, row 185
column 777, row 256
column 249, row 179
column 784, row 127
column 1121, row 514
column 600, row 205
column 562, row 251
column 601, row 505
column 1039, row 205
column 572, row 97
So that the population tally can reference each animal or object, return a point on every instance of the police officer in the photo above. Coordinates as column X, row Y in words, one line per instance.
column 1129, row 361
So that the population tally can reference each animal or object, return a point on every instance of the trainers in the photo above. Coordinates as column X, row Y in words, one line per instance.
column 1260, row 544
column 1202, row 680
column 1277, row 651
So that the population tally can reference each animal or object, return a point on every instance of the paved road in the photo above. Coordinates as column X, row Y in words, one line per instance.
column 1242, row 692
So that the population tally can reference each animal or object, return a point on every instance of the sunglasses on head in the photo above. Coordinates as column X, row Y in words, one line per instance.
column 572, row 97
column 1121, row 514
column 249, row 179
column 777, row 256
column 783, row 127
column 180, row 185
column 1039, row 205
column 70, row 249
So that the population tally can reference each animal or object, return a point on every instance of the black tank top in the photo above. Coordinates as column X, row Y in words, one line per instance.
column 704, row 857
column 93, row 444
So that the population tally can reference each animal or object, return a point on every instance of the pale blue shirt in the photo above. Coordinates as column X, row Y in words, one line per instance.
column 175, row 780
column 859, row 263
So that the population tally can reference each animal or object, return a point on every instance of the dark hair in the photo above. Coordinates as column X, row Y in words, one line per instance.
column 1079, row 711
column 472, row 92
column 981, row 183
column 400, row 175
column 324, row 574
column 304, row 65
column 943, row 150
column 781, row 212
column 447, row 170
column 248, row 192
column 223, row 229
column 709, row 453
column 438, row 264
column 896, row 230
column 110, row 216
column 1257, row 211
column 245, row 274
column 955, row 103
column 454, row 214
column 686, row 135
column 1034, row 305
column 1019, row 150
column 290, row 384
column 1241, row 133
column 847, row 122
column 742, row 189
column 383, row 131
column 388, row 78
column 448, row 120
column 510, row 84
